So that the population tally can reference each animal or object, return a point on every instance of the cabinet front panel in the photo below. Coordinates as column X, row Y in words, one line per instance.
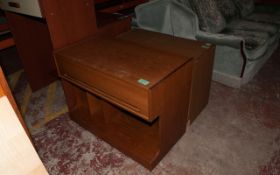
column 118, row 92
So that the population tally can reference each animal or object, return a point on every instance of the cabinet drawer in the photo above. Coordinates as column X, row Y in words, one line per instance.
column 120, row 72
column 128, row 96
column 27, row 7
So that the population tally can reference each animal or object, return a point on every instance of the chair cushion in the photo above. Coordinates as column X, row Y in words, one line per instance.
column 253, row 39
column 241, row 24
column 228, row 9
column 245, row 6
column 265, row 18
column 209, row 16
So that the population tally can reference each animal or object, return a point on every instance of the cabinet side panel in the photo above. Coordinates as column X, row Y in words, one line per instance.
column 5, row 91
column 69, row 20
column 34, row 46
column 171, row 101
column 201, row 82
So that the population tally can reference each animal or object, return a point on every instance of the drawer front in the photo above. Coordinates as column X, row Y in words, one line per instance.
column 27, row 7
column 130, row 97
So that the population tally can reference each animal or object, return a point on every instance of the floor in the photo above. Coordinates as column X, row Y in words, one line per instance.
column 237, row 133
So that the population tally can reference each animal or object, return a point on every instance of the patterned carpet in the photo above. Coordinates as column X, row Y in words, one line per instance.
column 39, row 107
column 237, row 133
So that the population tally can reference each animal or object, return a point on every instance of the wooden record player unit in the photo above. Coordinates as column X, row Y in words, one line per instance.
column 133, row 97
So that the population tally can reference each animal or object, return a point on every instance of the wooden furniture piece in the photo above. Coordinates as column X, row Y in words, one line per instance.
column 135, row 98
column 34, row 48
column 18, row 155
column 5, row 91
column 202, row 53
column 41, row 26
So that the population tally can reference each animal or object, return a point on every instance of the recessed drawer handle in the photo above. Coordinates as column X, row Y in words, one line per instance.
column 104, row 94
column 115, row 100
column 14, row 4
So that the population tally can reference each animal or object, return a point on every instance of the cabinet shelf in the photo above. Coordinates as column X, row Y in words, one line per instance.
column 6, row 38
column 114, row 6
column 110, row 11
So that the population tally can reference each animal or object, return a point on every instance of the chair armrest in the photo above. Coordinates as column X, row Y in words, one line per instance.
column 167, row 17
column 184, row 21
column 220, row 39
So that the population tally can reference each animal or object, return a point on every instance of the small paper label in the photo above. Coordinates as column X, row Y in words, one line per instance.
column 143, row 82
column 206, row 45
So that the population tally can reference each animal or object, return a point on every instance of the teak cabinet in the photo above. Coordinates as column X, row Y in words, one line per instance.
column 133, row 97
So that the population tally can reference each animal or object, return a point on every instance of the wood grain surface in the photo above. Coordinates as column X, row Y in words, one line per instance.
column 202, row 53
column 18, row 156
column 100, row 80
column 5, row 91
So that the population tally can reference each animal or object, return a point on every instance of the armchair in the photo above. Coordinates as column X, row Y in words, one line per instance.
column 242, row 45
